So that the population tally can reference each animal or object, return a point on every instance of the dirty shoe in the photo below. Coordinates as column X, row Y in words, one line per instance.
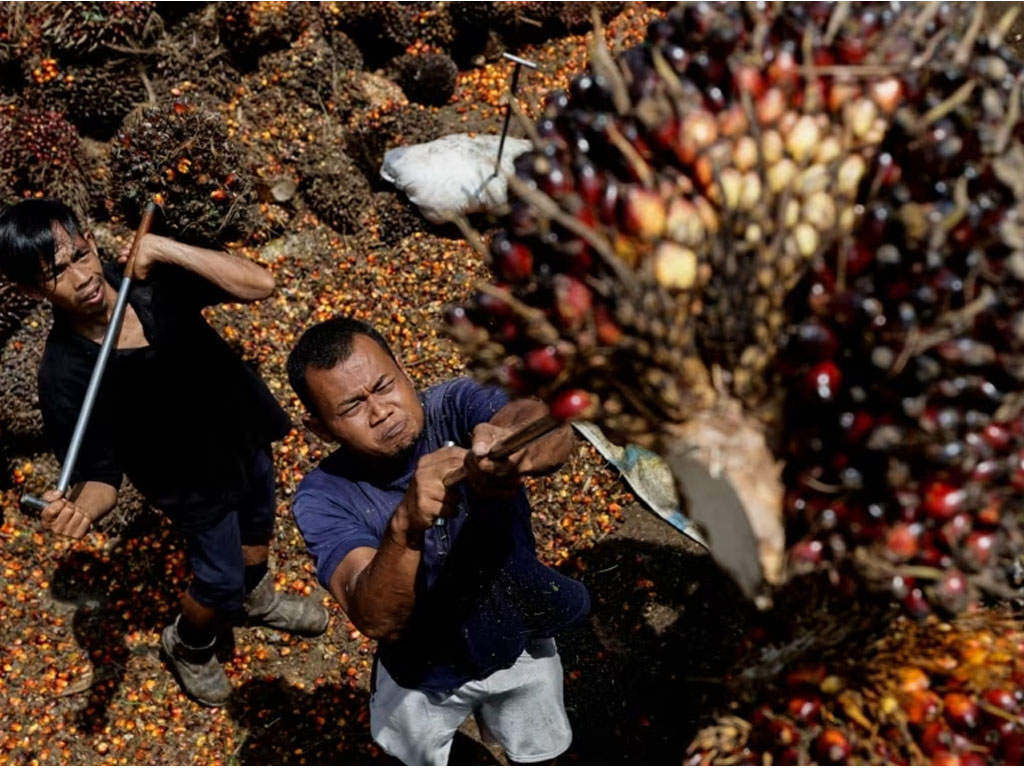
column 198, row 672
column 270, row 608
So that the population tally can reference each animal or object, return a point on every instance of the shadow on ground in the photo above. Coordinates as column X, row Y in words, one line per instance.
column 642, row 672
column 132, row 587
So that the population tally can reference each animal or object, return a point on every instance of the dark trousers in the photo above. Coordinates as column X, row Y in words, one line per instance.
column 215, row 553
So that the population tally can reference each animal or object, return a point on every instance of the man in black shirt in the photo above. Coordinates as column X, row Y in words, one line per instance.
column 177, row 412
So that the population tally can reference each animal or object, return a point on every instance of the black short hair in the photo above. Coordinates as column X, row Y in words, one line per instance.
column 27, row 246
column 324, row 346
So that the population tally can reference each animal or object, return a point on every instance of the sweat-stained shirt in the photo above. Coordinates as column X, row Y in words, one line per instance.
column 481, row 592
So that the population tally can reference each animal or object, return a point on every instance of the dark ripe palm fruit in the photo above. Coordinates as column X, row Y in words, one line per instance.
column 803, row 221
column 41, row 155
column 181, row 156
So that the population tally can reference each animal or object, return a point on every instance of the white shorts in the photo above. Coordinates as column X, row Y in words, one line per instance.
column 521, row 708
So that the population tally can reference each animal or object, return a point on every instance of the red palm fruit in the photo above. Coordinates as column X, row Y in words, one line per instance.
column 852, row 50
column 823, row 381
column 748, row 79
column 665, row 135
column 513, row 260
column 997, row 436
column 1001, row 698
column 608, row 331
column 921, row 707
column 573, row 301
column 942, row 500
column 979, row 549
column 572, row 404
column 806, row 553
column 804, row 709
column 832, row 747
column 902, row 542
column 589, row 184
column 544, row 362
column 960, row 710
column 856, row 425
column 937, row 737
column 916, row 604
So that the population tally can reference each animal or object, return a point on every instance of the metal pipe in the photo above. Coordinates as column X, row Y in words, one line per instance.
column 520, row 63
column 109, row 342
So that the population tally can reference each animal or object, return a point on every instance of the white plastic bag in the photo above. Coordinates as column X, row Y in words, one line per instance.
column 454, row 174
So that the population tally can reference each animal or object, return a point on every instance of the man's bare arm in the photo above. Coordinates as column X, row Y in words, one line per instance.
column 243, row 279
column 377, row 587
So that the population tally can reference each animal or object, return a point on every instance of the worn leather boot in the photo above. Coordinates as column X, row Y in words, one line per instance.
column 199, row 673
column 266, row 606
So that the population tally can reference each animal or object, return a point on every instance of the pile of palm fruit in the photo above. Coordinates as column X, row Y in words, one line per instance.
column 786, row 241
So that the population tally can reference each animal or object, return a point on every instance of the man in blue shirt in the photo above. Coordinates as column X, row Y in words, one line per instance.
column 445, row 576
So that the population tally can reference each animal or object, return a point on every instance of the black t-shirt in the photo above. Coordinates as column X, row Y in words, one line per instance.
column 181, row 417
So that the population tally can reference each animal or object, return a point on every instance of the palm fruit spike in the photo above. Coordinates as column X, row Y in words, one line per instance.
column 925, row 693
column 807, row 215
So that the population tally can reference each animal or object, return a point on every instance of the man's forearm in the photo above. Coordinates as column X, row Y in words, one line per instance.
column 385, row 590
column 243, row 279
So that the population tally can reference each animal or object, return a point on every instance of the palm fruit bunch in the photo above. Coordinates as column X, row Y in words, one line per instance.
column 332, row 183
column 95, row 98
column 382, row 30
column 180, row 156
column 427, row 78
column 785, row 241
column 250, row 30
column 81, row 29
column 925, row 693
column 40, row 155
column 189, row 57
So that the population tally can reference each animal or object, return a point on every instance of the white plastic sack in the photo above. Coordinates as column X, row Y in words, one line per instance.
column 454, row 174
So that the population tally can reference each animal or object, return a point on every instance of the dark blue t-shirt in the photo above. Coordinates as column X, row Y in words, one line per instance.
column 481, row 592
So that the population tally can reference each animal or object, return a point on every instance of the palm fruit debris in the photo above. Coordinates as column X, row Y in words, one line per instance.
column 926, row 693
column 788, row 238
